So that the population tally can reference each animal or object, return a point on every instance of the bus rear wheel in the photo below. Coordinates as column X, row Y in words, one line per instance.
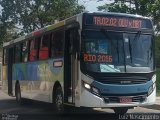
column 58, row 101
column 121, row 110
column 18, row 94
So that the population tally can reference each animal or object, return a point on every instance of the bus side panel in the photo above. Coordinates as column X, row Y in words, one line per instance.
column 37, row 78
column 48, row 75
column 19, row 74
column 4, row 79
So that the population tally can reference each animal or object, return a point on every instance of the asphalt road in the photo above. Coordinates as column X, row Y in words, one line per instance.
column 33, row 110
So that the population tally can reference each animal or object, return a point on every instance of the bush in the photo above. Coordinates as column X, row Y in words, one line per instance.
column 158, row 81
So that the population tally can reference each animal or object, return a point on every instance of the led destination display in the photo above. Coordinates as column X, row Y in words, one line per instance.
column 97, row 58
column 118, row 21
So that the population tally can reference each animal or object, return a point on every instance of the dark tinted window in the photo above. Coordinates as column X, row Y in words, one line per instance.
column 5, row 56
column 17, row 53
column 33, row 50
column 57, row 44
column 25, row 51
column 44, row 47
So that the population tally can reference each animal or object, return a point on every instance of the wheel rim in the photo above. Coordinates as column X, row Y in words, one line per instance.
column 59, row 102
column 18, row 95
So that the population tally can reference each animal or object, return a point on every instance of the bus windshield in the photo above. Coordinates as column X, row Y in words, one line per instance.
column 111, row 51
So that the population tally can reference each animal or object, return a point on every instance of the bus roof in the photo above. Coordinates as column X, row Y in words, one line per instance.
column 42, row 30
column 120, row 14
column 64, row 22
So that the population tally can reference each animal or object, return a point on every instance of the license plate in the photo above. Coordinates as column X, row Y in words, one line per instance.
column 125, row 99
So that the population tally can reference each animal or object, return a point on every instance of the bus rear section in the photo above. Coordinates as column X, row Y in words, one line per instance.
column 6, row 74
column 117, row 61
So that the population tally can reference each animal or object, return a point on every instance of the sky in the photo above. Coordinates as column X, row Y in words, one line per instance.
column 91, row 5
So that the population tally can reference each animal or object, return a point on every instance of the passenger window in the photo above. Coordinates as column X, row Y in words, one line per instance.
column 33, row 50
column 25, row 51
column 57, row 44
column 44, row 49
column 5, row 56
column 17, row 53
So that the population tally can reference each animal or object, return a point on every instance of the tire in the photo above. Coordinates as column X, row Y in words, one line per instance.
column 120, row 110
column 18, row 94
column 58, row 101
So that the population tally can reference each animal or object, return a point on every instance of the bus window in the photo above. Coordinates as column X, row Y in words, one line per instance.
column 17, row 53
column 57, row 44
column 25, row 51
column 33, row 50
column 43, row 50
column 5, row 56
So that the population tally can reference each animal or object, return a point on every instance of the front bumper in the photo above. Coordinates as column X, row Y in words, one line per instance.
column 90, row 100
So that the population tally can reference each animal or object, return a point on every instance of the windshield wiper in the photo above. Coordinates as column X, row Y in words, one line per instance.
column 137, row 35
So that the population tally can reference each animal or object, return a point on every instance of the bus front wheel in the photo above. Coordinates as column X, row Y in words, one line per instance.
column 120, row 110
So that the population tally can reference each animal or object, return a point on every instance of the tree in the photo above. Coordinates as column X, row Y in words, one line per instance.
column 7, row 30
column 128, row 6
column 35, row 14
column 157, row 49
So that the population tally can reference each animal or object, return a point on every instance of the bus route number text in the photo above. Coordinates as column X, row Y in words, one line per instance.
column 96, row 58
column 117, row 22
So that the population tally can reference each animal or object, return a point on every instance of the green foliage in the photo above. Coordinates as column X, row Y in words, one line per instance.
column 116, row 7
column 158, row 81
column 2, row 33
column 142, row 7
column 6, row 31
column 31, row 15
column 157, row 49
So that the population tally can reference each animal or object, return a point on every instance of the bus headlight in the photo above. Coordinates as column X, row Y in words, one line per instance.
column 87, row 86
column 151, row 89
column 91, row 89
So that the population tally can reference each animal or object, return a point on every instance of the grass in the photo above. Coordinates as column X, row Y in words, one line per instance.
column 158, row 81
column 158, row 93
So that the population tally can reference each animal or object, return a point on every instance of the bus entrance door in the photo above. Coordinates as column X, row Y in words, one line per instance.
column 9, row 68
column 70, row 67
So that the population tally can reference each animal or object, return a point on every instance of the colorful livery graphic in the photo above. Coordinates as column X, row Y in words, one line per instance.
column 98, row 60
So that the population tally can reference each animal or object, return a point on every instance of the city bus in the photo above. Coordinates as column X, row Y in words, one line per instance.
column 92, row 60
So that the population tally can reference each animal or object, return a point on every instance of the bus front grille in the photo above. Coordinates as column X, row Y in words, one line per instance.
column 123, row 80
column 116, row 99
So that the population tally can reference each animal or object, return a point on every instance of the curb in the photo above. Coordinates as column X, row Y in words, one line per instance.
column 158, row 104
column 154, row 106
